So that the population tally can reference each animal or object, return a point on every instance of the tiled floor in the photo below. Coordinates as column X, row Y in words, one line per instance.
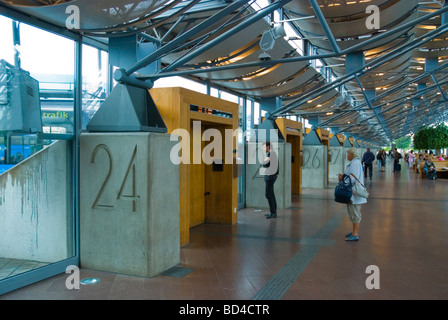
column 301, row 254
column 11, row 267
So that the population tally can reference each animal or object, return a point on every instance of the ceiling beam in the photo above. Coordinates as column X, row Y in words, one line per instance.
column 323, row 22
column 170, row 73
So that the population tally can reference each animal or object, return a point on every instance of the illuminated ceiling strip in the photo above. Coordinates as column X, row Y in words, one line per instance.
column 165, row 73
column 371, row 65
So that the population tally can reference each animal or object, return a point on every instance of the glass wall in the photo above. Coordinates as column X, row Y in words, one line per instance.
column 50, row 59
column 95, row 75
column 37, row 219
column 38, row 154
column 6, row 40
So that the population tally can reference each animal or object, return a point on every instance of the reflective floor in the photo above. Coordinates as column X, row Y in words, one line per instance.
column 12, row 267
column 302, row 254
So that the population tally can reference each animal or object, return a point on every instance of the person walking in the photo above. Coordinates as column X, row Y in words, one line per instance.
column 271, row 165
column 411, row 159
column 378, row 159
column 397, row 157
column 354, row 169
column 381, row 157
column 367, row 160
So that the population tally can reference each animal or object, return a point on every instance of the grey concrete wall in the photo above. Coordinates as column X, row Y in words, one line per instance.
column 346, row 162
column 255, row 184
column 314, row 170
column 361, row 152
column 129, row 210
column 338, row 154
column 36, row 215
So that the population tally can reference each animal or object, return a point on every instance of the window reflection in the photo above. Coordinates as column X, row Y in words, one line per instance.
column 50, row 59
column 94, row 81
column 36, row 176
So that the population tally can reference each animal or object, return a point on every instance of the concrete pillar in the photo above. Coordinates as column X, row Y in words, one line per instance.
column 255, row 185
column 336, row 165
column 129, row 203
column 315, row 158
column 314, row 170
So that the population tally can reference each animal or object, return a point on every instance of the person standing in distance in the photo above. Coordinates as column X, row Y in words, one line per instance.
column 367, row 160
column 354, row 207
column 397, row 157
column 271, row 165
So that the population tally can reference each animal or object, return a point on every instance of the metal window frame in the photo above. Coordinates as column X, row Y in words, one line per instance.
column 20, row 280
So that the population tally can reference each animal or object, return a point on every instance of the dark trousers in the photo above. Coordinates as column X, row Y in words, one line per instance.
column 369, row 167
column 269, row 193
column 429, row 174
column 395, row 164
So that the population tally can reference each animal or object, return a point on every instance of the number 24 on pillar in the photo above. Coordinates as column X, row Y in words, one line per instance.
column 130, row 174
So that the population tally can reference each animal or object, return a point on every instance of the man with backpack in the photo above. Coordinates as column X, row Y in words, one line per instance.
column 397, row 157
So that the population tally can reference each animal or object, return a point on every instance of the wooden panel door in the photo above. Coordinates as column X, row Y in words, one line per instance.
column 295, row 163
column 218, row 186
column 197, row 182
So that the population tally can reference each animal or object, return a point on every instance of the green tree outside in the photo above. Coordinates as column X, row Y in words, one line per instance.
column 429, row 138
column 403, row 143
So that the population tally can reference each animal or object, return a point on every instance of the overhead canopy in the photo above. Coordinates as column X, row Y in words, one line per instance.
column 399, row 84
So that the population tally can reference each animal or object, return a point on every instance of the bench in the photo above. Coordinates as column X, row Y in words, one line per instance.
column 440, row 165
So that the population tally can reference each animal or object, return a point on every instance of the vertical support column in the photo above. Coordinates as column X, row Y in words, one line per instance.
column 77, row 126
column 314, row 120
column 208, row 88
column 354, row 61
column 444, row 18
column 8, row 148
column 252, row 115
column 268, row 125
column 241, row 153
column 270, row 104
column 431, row 64
column 16, row 40
column 126, row 51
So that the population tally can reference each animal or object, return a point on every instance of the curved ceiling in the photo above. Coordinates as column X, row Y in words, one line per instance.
column 387, row 80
